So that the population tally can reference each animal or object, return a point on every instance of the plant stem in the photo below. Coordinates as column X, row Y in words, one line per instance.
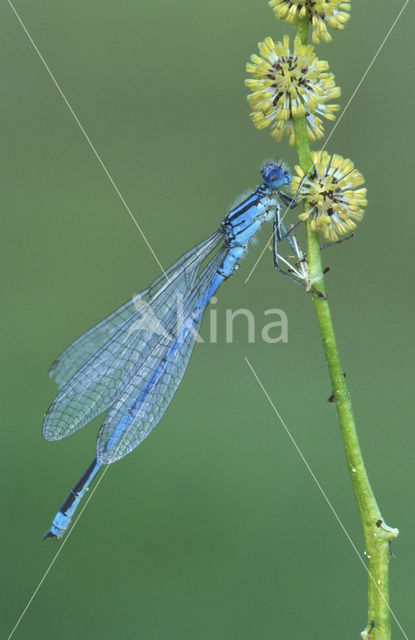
column 377, row 535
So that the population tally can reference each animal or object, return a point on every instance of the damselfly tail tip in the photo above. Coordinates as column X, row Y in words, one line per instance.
column 50, row 534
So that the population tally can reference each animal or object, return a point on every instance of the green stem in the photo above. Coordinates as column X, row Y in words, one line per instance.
column 377, row 535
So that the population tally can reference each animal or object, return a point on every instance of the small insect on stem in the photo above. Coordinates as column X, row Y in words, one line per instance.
column 331, row 400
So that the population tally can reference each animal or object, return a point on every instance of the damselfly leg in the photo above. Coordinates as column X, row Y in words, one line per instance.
column 297, row 271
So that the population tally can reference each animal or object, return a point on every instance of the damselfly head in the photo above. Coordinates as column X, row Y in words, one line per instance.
column 275, row 174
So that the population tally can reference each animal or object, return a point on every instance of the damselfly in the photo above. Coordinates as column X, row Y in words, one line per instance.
column 131, row 363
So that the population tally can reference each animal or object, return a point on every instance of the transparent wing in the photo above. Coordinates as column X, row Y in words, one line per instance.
column 84, row 347
column 96, row 385
column 145, row 399
column 81, row 350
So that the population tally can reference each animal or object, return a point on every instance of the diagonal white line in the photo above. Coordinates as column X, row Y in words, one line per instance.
column 259, row 382
column 362, row 79
column 359, row 84
column 257, row 261
column 87, row 138
column 56, row 554
column 76, row 521
column 323, row 493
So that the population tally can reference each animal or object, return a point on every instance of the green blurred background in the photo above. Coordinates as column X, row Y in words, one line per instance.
column 213, row 528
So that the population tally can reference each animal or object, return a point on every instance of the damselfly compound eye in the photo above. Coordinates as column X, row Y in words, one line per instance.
column 275, row 174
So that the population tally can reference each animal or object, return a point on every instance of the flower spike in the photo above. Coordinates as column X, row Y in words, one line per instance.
column 287, row 84
column 333, row 203
column 322, row 13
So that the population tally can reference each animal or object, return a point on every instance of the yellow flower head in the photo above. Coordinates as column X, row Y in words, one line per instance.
column 289, row 84
column 332, row 201
column 322, row 13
